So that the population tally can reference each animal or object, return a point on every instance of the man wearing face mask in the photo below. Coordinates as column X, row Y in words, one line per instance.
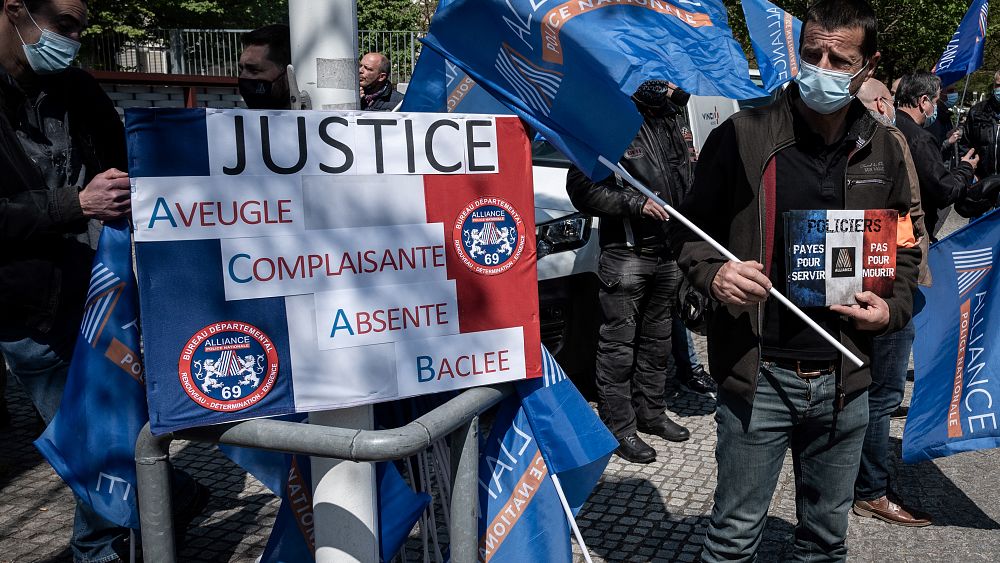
column 916, row 100
column 62, row 161
column 639, row 278
column 263, row 67
column 782, row 386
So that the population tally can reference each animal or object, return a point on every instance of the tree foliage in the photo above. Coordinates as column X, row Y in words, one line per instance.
column 389, row 15
column 137, row 17
column 912, row 34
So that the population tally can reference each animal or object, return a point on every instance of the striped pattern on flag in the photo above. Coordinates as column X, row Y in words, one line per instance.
column 533, row 84
column 551, row 372
column 229, row 363
column 105, row 287
column 971, row 267
column 490, row 234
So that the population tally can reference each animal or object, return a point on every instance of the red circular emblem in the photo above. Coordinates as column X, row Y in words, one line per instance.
column 228, row 366
column 488, row 236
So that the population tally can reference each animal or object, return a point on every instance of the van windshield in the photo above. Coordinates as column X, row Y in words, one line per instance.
column 544, row 154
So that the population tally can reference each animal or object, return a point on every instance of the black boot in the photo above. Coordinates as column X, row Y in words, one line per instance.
column 633, row 448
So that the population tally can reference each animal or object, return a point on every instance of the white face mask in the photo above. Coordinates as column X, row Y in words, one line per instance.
column 825, row 91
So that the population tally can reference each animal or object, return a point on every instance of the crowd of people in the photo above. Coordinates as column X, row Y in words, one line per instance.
column 779, row 386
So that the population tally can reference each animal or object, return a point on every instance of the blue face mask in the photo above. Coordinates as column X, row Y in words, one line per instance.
column 996, row 94
column 52, row 53
column 825, row 91
column 931, row 118
column 952, row 99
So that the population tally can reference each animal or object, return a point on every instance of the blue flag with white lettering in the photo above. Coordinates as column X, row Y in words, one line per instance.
column 438, row 85
column 521, row 517
column 575, row 443
column 91, row 441
column 964, row 53
column 566, row 67
column 956, row 388
column 774, row 34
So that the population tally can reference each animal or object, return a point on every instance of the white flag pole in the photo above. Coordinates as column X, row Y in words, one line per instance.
column 725, row 252
column 570, row 518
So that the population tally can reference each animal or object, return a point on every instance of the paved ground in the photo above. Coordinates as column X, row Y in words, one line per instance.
column 654, row 512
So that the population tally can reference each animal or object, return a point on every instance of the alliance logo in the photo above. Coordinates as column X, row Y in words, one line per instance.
column 228, row 366
column 844, row 265
column 489, row 236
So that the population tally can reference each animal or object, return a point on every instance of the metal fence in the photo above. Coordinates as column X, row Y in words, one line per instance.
column 216, row 52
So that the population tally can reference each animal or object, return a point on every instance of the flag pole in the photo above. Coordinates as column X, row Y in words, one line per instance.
column 725, row 252
column 570, row 518
column 960, row 104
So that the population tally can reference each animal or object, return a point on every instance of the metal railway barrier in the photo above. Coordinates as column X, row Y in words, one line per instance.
column 459, row 418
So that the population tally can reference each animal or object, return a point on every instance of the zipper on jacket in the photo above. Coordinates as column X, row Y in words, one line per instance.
column 862, row 181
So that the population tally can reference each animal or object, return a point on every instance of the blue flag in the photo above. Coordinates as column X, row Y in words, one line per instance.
column 292, row 538
column 438, row 85
column 575, row 443
column 964, row 53
column 566, row 68
column 956, row 388
column 521, row 517
column 774, row 34
column 547, row 428
column 91, row 441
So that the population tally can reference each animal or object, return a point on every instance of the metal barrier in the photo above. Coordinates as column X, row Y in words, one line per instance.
column 458, row 417
column 216, row 52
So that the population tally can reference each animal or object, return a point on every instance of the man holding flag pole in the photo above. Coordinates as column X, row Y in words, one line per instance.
column 780, row 385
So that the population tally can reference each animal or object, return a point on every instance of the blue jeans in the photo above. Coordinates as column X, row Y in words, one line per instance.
column 889, row 362
column 787, row 412
column 40, row 362
column 684, row 357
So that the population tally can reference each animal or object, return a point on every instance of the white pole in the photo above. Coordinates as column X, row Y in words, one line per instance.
column 324, row 37
column 570, row 518
column 725, row 252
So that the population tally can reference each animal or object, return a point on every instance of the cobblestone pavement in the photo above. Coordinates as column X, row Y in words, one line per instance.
column 655, row 512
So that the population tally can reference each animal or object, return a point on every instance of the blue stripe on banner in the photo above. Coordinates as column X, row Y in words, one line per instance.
column 167, row 142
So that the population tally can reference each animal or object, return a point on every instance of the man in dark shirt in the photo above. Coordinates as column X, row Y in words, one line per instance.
column 781, row 386
column 377, row 91
column 264, row 64
column 917, row 101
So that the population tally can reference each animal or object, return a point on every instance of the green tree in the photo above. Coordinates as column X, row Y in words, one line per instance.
column 912, row 34
column 389, row 15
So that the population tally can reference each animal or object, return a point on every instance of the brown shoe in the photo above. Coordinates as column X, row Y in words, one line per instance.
column 888, row 511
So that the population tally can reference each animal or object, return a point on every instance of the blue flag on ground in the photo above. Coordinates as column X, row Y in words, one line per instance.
column 956, row 388
column 91, row 441
column 546, row 428
column 438, row 85
column 964, row 53
column 292, row 538
column 774, row 34
column 565, row 68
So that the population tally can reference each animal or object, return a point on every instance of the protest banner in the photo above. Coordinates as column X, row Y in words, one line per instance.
column 833, row 255
column 774, row 35
column 304, row 261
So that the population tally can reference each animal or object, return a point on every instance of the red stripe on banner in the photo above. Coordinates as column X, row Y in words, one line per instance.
column 878, row 256
column 509, row 298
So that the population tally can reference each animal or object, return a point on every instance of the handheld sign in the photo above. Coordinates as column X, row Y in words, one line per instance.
column 299, row 261
column 835, row 254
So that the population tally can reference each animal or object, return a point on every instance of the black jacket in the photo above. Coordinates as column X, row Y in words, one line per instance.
column 46, row 259
column 386, row 100
column 730, row 202
column 939, row 187
column 658, row 157
column 982, row 132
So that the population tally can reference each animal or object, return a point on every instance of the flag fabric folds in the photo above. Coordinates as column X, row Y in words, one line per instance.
column 91, row 441
column 546, row 428
column 564, row 68
column 964, row 53
column 774, row 34
column 438, row 85
column 956, row 389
